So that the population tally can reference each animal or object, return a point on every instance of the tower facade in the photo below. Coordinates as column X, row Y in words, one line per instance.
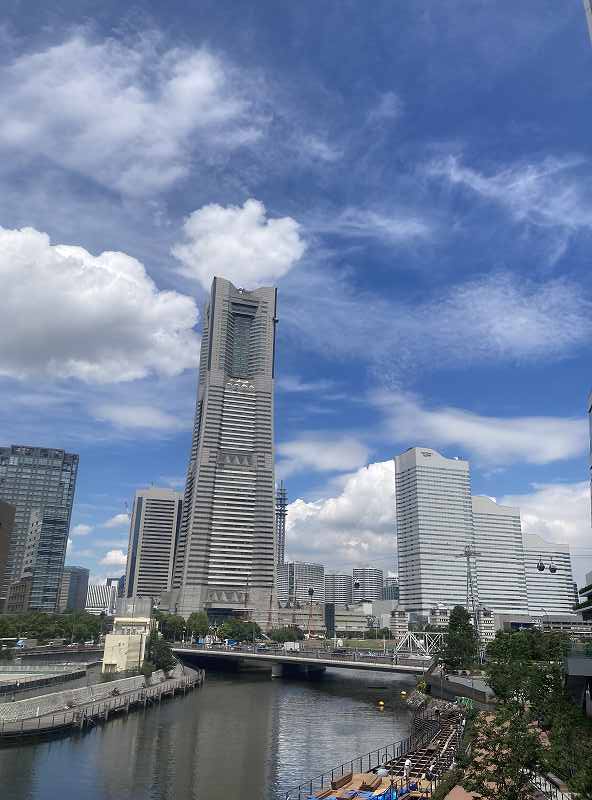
column 43, row 480
column 367, row 584
column 339, row 588
column 434, row 525
column 154, row 530
column 225, row 556
column 73, row 589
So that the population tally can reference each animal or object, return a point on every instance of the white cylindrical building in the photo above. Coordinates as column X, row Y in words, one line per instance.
column 368, row 583
column 339, row 588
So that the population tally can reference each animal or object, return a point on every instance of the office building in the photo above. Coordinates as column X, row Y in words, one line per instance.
column 33, row 479
column 281, row 510
column 585, row 598
column 339, row 588
column 7, row 513
column 390, row 590
column 73, row 589
column 590, row 460
column 295, row 578
column 549, row 591
column 101, row 599
column 588, row 11
column 367, row 584
column 226, row 551
column 434, row 524
column 154, row 530
column 500, row 563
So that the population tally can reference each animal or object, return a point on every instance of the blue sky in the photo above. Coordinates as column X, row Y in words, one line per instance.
column 416, row 179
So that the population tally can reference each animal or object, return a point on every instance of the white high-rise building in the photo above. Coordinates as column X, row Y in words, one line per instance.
column 548, row 592
column 295, row 578
column 101, row 599
column 368, row 583
column 154, row 530
column 339, row 588
column 434, row 524
column 500, row 568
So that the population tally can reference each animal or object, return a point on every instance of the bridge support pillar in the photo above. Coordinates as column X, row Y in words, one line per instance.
column 277, row 670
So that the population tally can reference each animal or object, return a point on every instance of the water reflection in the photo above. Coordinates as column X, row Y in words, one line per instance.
column 241, row 736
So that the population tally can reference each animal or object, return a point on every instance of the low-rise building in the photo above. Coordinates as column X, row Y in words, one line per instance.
column 125, row 647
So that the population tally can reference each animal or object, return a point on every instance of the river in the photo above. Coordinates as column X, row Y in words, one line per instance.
column 240, row 736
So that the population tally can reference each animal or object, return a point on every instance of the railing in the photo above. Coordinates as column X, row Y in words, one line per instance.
column 365, row 763
column 85, row 713
column 549, row 789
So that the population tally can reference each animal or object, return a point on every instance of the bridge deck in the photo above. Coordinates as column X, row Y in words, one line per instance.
column 315, row 658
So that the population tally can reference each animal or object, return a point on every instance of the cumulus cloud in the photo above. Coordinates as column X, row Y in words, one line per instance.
column 543, row 194
column 239, row 243
column 491, row 440
column 559, row 512
column 128, row 116
column 67, row 313
column 356, row 526
column 117, row 521
column 81, row 529
column 116, row 558
column 320, row 453
column 139, row 416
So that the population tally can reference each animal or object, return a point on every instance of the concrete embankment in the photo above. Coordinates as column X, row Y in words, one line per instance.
column 85, row 706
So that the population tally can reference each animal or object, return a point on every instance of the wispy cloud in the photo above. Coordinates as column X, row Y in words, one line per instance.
column 490, row 440
column 136, row 417
column 361, row 223
column 117, row 521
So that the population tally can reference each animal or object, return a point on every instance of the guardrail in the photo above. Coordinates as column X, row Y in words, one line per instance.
column 366, row 762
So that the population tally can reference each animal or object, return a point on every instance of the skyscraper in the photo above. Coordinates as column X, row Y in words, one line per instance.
column 38, row 479
column 368, row 583
column 588, row 10
column 339, row 588
column 7, row 513
column 73, row 589
column 281, row 506
column 154, row 530
column 226, row 548
column 548, row 592
column 590, row 427
column 295, row 578
column 499, row 566
column 434, row 524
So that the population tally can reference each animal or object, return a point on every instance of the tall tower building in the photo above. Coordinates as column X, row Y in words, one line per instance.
column 368, row 583
column 549, row 592
column 7, row 513
column 339, row 588
column 500, row 565
column 154, row 530
column 281, row 510
column 36, row 479
column 225, row 556
column 434, row 524
column 295, row 578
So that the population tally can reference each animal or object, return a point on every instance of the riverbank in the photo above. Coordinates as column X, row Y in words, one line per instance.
column 79, row 708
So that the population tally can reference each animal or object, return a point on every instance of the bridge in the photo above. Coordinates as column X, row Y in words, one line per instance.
column 307, row 661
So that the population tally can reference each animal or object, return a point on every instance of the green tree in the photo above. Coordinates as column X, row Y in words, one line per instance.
column 171, row 625
column 198, row 623
column 288, row 633
column 505, row 748
column 239, row 629
column 460, row 646
column 159, row 654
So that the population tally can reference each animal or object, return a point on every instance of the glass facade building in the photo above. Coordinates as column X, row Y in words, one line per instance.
column 35, row 479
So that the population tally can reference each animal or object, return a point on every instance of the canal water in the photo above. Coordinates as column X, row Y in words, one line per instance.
column 240, row 736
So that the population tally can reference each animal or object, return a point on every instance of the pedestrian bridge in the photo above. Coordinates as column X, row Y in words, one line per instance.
column 309, row 661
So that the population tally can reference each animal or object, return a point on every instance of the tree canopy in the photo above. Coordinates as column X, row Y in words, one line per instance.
column 239, row 629
column 461, row 645
column 171, row 626
column 289, row 633
column 198, row 623
column 76, row 626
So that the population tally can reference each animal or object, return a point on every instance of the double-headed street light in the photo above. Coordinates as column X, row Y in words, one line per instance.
column 310, row 594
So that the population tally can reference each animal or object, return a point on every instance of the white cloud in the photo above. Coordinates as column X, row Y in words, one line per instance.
column 544, row 194
column 238, row 243
column 128, row 116
column 316, row 148
column 493, row 318
column 136, row 416
column 117, row 521
column 81, row 529
column 320, row 453
column 114, row 558
column 492, row 440
column 559, row 512
column 388, row 107
column 67, row 313
column 357, row 526
column 391, row 228
column 294, row 384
